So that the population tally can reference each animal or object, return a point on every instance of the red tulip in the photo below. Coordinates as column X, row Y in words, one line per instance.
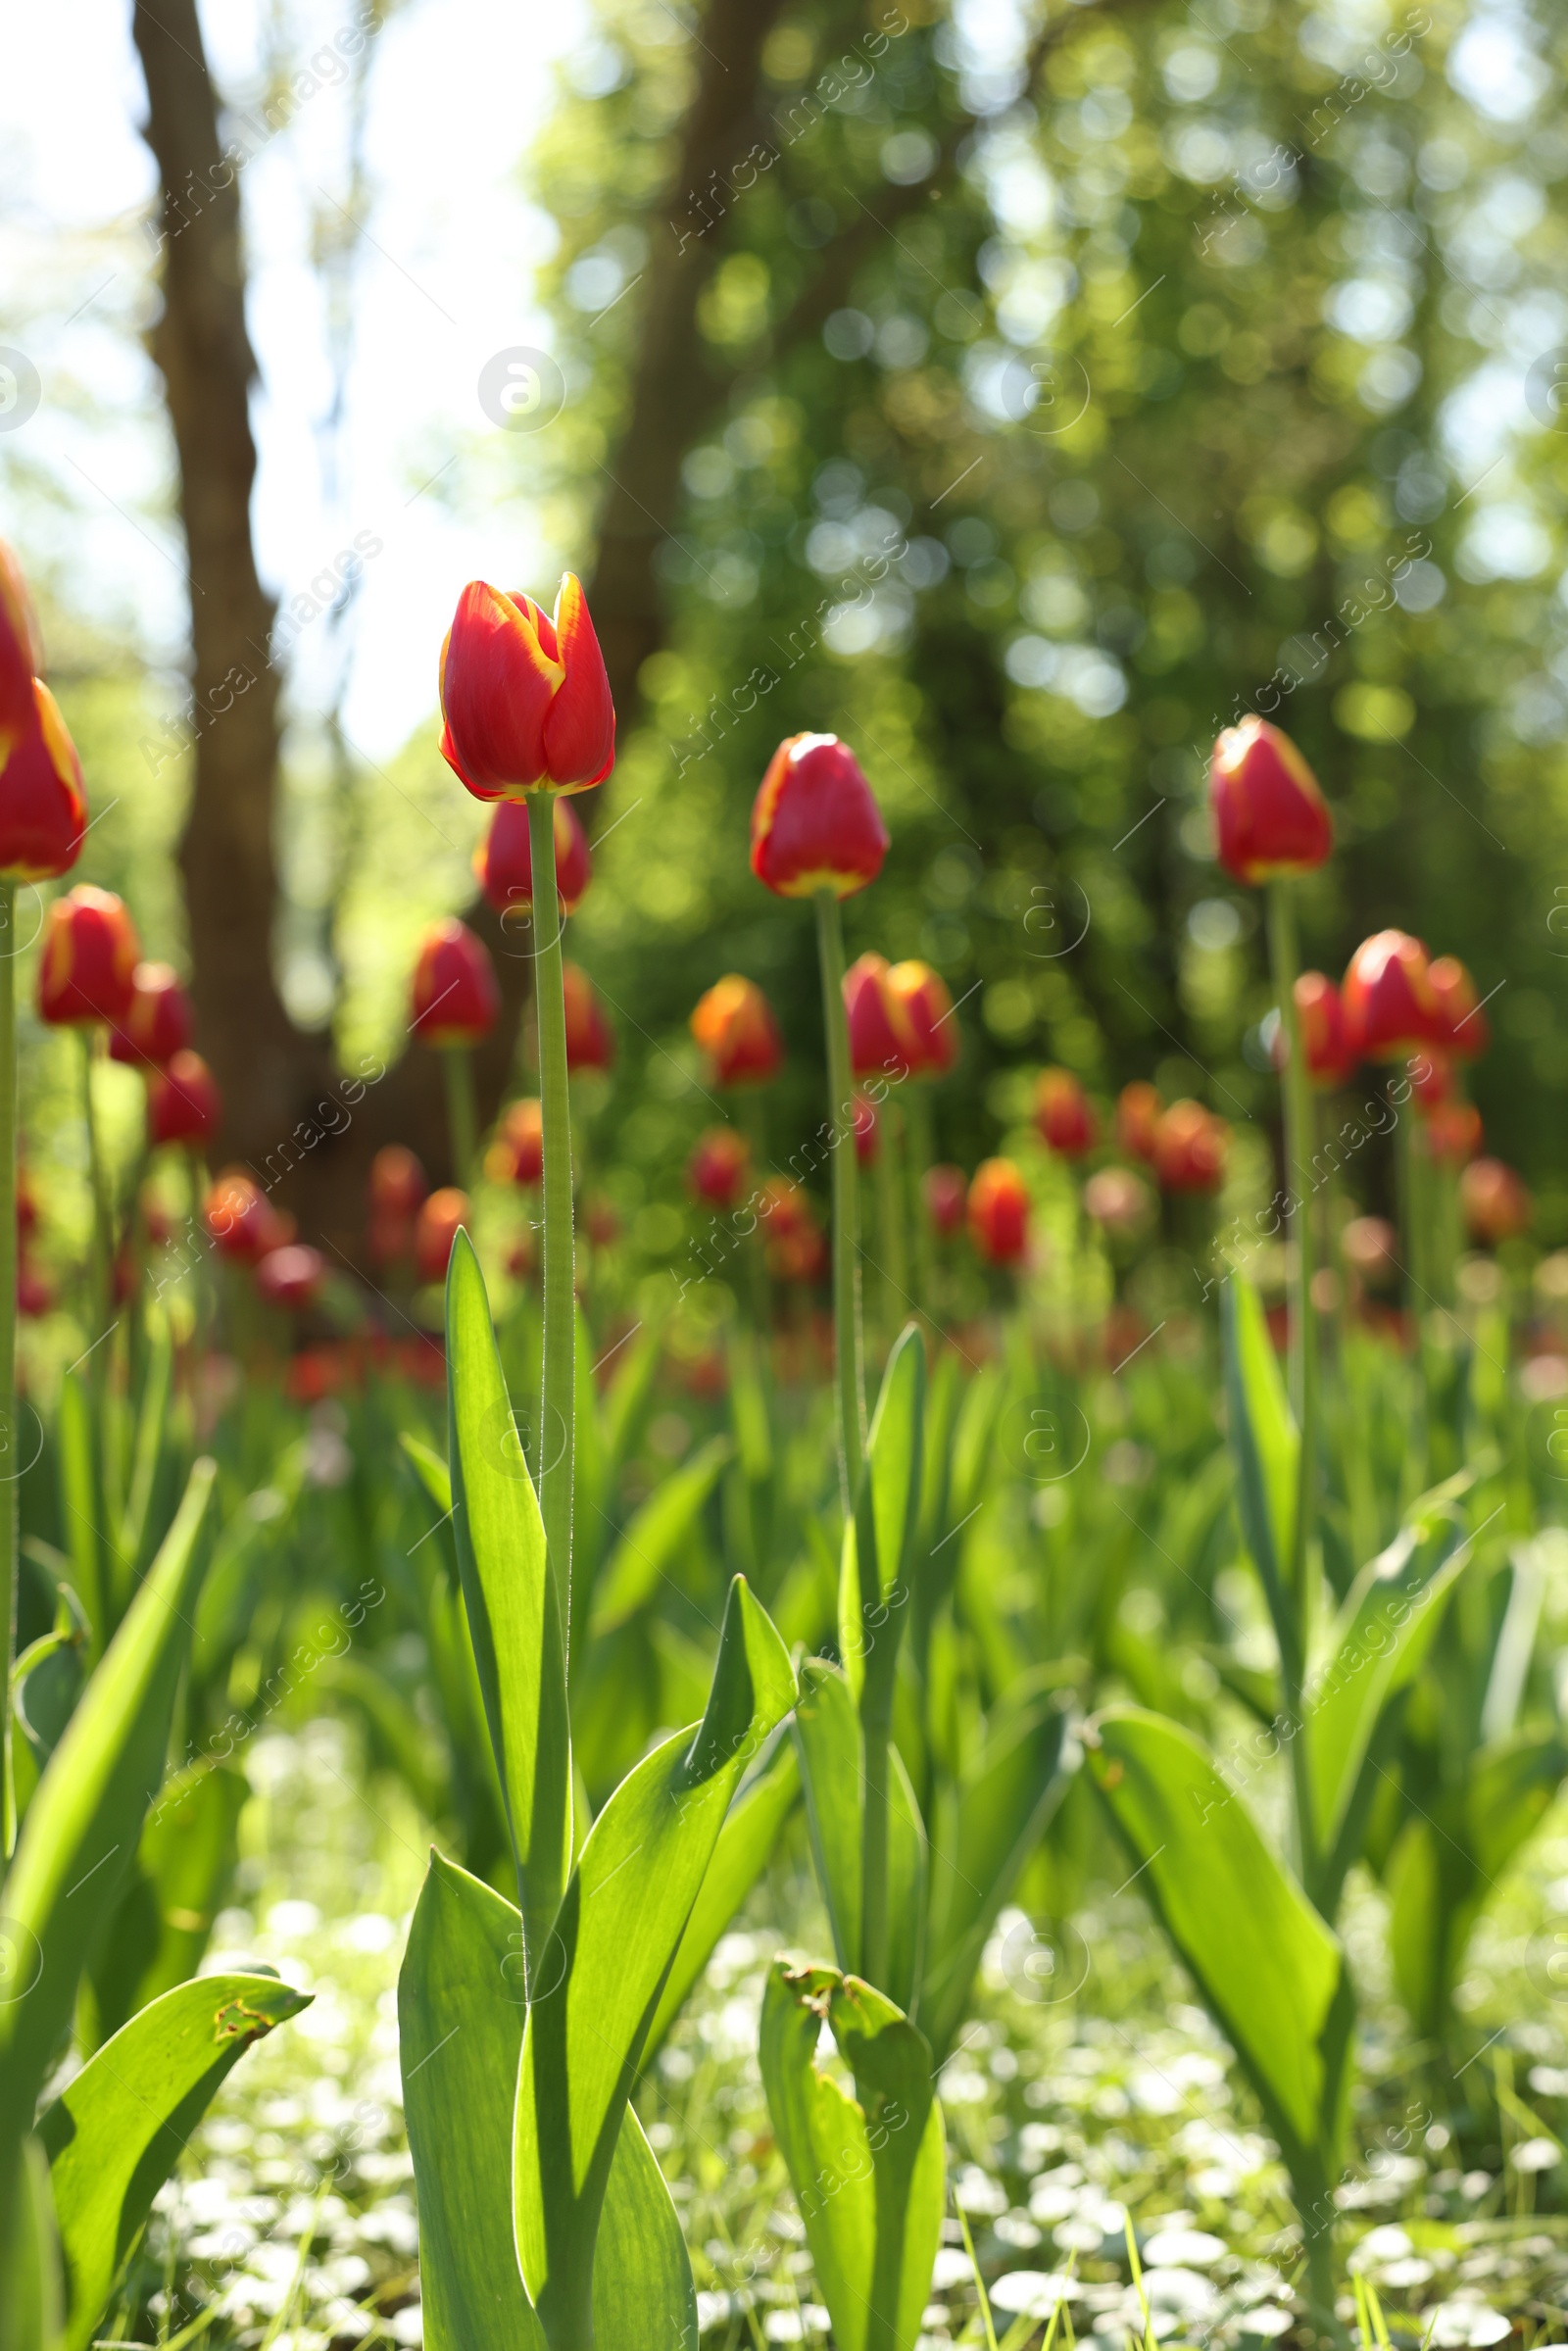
column 734, row 1024
column 525, row 698
column 503, row 863
column 183, row 1103
column 89, row 958
column 945, row 1192
column 1431, row 1076
column 926, row 1001
column 882, row 1040
column 1119, row 1202
column 1269, row 815
column 1321, row 1015
column 1465, row 1028
column 291, row 1277
column 815, row 824
column 34, row 1292
column 795, row 1247
column 43, row 810
column 1495, row 1204
column 1064, row 1114
column 159, row 1022
column 1191, row 1145
column 437, row 1230
column 590, row 1039
column 242, row 1220
column 866, row 1130
column 20, row 658
column 518, row 1153
column 1453, row 1134
column 1389, row 1008
column 783, row 1206
column 398, row 1184
column 1138, row 1114
column 998, row 1212
column 454, row 999
column 717, row 1169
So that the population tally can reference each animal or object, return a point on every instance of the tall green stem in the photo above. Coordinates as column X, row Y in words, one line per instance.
column 463, row 1122
column 918, row 1161
column 890, row 1215
column 846, row 1202
column 557, row 1395
column 99, row 1260
column 10, row 1436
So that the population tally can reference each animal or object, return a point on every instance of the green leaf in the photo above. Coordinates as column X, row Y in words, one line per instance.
column 868, row 2170
column 643, row 2290
column 116, row 2131
column 429, row 1468
column 33, row 2302
column 873, row 1597
column 1266, row 1449
column 652, row 1540
column 630, row 1385
column 84, row 1822
column 514, row 1605
column 165, row 1917
column 828, row 1732
column 600, row 1974
column 74, row 1439
column 1271, row 1972
column 152, row 1428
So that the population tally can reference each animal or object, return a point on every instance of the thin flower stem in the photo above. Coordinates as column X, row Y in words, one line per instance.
column 889, row 1217
column 10, row 1442
column 917, row 1167
column 846, row 1202
column 463, row 1123
column 557, row 1395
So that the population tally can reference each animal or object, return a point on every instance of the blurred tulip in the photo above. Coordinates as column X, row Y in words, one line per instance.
column 88, row 963
column 521, row 1257
column 865, row 1129
column 1431, row 1076
column 1119, row 1202
column 525, row 698
column 503, row 863
column 155, row 1222
column 926, row 1001
column 1369, row 1246
column 882, row 1040
column 815, row 824
column 452, row 998
column 734, row 1024
column 242, row 1220
column 1270, row 817
column 398, row 1182
column 183, row 1103
column 27, row 1205
column 1138, row 1114
column 1191, row 1145
column 1389, row 1008
column 21, row 657
column 390, row 1237
column 1453, row 1134
column 35, row 1291
column 291, row 1277
column 998, row 1212
column 1321, row 1015
column 436, row 1230
column 518, row 1153
column 797, row 1253
column 1463, row 1025
column 590, row 1039
column 717, row 1169
column 1064, row 1114
column 1495, row 1204
column 944, row 1191
column 43, row 809
column 601, row 1223
column 159, row 1022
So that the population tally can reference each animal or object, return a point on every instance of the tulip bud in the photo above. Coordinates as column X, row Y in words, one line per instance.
column 1270, row 817
column 1320, row 1013
column 1191, row 1146
column 183, row 1103
column 717, row 1169
column 159, row 1022
column 518, row 1153
column 1389, row 1008
column 734, row 1024
column 1464, row 1026
column 89, row 958
column 454, row 999
column 43, row 810
column 291, row 1277
column 1496, row 1206
column 34, row 1292
column 882, row 1042
column 1369, row 1246
column 436, row 1232
column 503, row 864
column 814, row 823
column 20, row 658
column 1138, row 1114
column 398, row 1184
column 525, row 698
column 242, row 1220
column 866, row 1137
column 590, row 1039
column 926, row 1003
column 944, row 1191
column 1119, row 1202
column 1064, row 1114
column 998, row 1212
column 1453, row 1134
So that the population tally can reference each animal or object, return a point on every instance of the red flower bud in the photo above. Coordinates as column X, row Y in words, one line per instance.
column 866, row 1136
column 89, row 958
column 735, row 1027
column 43, row 810
column 1119, row 1202
column 1453, row 1134
column 998, row 1212
column 945, row 1192
column 1269, row 815
column 454, row 999
column 1064, row 1114
column 882, row 1040
column 525, row 698
column 1138, row 1114
column 1495, row 1204
column 590, row 1039
column 437, row 1230
column 1321, row 1015
column 242, row 1220
column 397, row 1182
column 183, row 1103
column 518, row 1153
column 20, row 658
column 717, row 1169
column 815, row 824
column 926, row 1003
column 160, row 1023
column 1191, row 1146
column 1465, row 1029
column 1389, row 1009
column 503, row 864
column 34, row 1292
column 291, row 1277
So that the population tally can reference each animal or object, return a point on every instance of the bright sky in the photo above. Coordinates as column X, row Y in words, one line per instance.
column 456, row 88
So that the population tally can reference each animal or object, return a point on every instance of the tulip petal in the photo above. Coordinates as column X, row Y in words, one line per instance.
column 497, row 686
column 579, row 730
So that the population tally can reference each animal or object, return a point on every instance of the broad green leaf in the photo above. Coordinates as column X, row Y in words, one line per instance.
column 164, row 1918
column 513, row 1607
column 873, row 1582
column 429, row 1468
column 45, row 1684
column 828, row 1730
column 116, row 2131
column 600, row 1974
column 643, row 2292
column 752, row 1830
column 33, row 2300
column 1272, row 1973
column 1265, row 1447
column 868, row 2170
column 84, row 1821
column 649, row 1544
column 152, row 1426
column 78, row 1513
